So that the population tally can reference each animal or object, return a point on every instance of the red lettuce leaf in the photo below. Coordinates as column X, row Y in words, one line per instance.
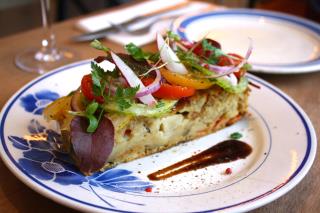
column 91, row 149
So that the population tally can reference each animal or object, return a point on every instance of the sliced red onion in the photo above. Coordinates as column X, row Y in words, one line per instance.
column 169, row 57
column 217, row 68
column 153, row 87
column 132, row 79
column 226, row 70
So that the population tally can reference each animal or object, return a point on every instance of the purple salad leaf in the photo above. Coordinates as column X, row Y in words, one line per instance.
column 91, row 149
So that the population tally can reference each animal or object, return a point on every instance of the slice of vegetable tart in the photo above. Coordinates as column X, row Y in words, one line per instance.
column 150, row 101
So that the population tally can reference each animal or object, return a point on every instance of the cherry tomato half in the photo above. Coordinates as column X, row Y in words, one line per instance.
column 87, row 89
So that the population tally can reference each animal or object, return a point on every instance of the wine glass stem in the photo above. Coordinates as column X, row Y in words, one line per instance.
column 48, row 50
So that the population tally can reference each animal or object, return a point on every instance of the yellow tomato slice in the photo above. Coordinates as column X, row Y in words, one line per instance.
column 185, row 80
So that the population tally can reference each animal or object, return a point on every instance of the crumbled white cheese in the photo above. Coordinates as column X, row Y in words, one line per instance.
column 106, row 65
column 231, row 78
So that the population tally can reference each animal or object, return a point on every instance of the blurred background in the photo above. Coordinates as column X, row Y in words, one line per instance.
column 21, row 15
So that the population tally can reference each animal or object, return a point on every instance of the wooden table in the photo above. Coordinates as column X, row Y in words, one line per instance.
column 17, row 197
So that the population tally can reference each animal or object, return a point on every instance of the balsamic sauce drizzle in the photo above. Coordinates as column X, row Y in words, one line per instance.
column 223, row 152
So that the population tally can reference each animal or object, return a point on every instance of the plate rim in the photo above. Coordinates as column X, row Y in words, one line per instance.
column 66, row 200
column 290, row 68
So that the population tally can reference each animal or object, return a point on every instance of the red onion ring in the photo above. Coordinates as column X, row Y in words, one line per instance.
column 226, row 70
column 132, row 79
column 217, row 69
column 153, row 87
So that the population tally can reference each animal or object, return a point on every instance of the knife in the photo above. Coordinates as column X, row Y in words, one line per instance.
column 114, row 28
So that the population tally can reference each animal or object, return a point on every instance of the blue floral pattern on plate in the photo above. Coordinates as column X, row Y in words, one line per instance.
column 42, row 159
column 35, row 103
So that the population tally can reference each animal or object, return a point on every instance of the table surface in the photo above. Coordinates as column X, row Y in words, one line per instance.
column 17, row 197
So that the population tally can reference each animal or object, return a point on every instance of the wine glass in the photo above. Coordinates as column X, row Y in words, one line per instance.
column 47, row 57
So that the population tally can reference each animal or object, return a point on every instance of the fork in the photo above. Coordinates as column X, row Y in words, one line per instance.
column 136, row 28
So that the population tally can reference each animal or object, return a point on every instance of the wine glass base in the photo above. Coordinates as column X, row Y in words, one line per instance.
column 33, row 60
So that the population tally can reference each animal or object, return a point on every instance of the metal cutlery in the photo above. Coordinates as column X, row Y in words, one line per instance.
column 150, row 18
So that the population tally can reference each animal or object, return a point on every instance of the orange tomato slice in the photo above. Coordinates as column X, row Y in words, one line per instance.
column 168, row 91
column 185, row 80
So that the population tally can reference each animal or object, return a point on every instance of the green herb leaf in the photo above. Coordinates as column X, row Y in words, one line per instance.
column 93, row 123
column 216, row 52
column 123, row 104
column 212, row 59
column 96, row 76
column 99, row 46
column 119, row 92
column 138, row 54
column 100, row 77
column 130, row 92
column 236, row 135
column 173, row 36
column 159, row 104
column 247, row 66
column 206, row 45
column 92, row 108
column 192, row 61
column 124, row 96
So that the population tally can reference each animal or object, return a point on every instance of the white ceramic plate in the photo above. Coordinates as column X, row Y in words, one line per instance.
column 282, row 137
column 282, row 43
